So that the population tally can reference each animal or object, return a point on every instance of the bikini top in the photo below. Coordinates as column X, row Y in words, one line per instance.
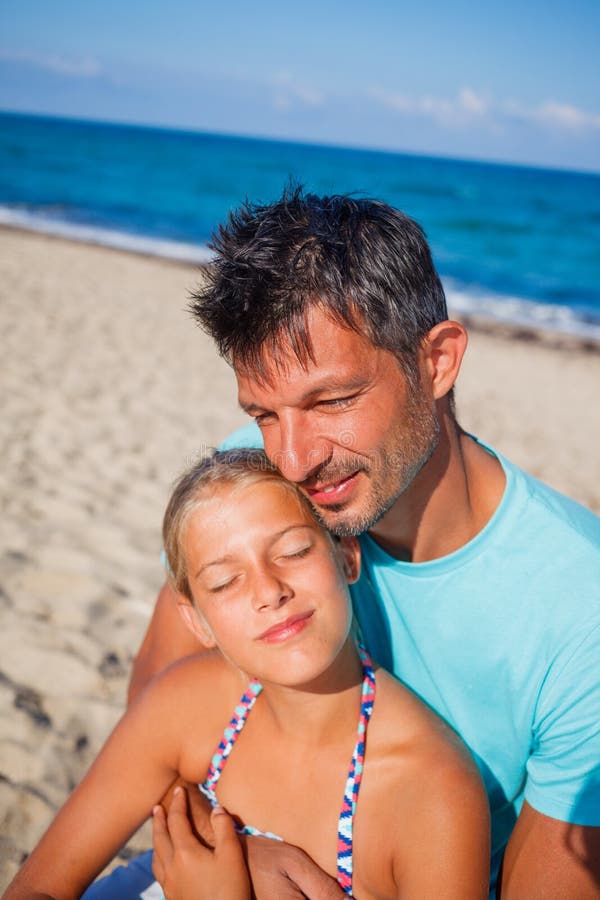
column 353, row 781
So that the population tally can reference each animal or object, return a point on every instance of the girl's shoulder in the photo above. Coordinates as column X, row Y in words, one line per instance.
column 423, row 789
column 205, row 681
column 400, row 716
column 417, row 752
column 192, row 701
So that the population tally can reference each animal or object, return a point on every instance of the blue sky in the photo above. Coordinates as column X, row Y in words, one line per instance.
column 510, row 82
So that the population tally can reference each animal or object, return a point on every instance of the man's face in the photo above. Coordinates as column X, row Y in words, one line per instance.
column 347, row 427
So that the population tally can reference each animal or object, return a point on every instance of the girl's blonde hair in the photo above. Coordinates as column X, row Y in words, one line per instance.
column 223, row 467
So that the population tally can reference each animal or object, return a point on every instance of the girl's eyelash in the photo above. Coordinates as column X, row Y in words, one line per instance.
column 220, row 587
column 298, row 553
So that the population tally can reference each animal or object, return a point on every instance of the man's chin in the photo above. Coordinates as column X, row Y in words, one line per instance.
column 342, row 522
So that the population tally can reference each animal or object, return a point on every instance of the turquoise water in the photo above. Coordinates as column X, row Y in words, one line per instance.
column 512, row 243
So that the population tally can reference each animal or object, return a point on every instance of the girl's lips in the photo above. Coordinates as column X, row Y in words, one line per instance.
column 288, row 628
column 333, row 493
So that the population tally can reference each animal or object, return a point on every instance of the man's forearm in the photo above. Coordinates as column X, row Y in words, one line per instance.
column 166, row 640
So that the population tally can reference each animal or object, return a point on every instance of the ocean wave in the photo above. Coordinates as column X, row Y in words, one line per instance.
column 472, row 300
column 107, row 237
column 463, row 299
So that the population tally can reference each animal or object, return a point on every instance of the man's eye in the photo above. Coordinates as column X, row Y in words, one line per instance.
column 337, row 402
column 263, row 418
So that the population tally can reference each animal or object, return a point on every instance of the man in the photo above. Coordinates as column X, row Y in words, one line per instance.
column 480, row 586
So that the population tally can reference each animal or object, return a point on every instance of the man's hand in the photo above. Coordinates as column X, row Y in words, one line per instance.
column 286, row 872
column 167, row 640
column 187, row 869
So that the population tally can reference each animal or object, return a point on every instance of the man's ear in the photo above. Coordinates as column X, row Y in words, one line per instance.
column 441, row 353
column 194, row 622
column 348, row 549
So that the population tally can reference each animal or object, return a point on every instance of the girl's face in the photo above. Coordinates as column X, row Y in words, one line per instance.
column 270, row 585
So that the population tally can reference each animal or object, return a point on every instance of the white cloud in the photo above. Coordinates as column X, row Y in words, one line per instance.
column 397, row 102
column 562, row 116
column 472, row 102
column 467, row 105
column 289, row 93
column 80, row 67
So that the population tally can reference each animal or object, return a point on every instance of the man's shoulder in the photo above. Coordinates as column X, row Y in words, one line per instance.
column 553, row 515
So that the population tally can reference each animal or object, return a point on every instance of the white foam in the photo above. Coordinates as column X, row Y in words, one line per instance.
column 90, row 234
column 512, row 310
column 465, row 299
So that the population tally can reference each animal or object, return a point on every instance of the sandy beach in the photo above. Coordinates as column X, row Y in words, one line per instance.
column 108, row 391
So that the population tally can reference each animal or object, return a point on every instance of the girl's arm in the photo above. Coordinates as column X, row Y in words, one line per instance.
column 132, row 772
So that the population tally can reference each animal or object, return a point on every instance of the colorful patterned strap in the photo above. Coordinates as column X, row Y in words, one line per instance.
column 353, row 781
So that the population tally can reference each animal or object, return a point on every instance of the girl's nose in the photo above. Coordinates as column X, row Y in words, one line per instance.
column 269, row 590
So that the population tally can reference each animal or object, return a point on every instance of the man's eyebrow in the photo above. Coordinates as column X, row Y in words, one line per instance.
column 230, row 558
column 331, row 384
column 250, row 408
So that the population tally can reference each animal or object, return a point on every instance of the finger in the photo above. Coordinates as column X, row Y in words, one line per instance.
column 178, row 822
column 199, row 811
column 163, row 848
column 228, row 847
column 310, row 879
column 227, row 842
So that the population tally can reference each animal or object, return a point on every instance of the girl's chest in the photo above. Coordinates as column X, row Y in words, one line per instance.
column 293, row 794
column 304, row 797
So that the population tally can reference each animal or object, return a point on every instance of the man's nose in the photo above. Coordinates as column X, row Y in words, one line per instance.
column 300, row 451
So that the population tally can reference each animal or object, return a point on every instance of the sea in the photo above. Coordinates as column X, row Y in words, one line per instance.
column 514, row 244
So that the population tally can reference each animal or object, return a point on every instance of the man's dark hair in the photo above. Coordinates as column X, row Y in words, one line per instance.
column 364, row 263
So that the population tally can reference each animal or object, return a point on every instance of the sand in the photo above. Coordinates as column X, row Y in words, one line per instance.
column 108, row 391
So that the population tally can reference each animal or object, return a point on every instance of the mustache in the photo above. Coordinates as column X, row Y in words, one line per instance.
column 321, row 470
column 337, row 470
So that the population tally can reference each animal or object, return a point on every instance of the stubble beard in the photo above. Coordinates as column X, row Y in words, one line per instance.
column 390, row 471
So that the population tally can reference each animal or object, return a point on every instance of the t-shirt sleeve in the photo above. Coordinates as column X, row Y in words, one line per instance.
column 564, row 767
column 247, row 436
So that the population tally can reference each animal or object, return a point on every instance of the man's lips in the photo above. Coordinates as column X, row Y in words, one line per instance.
column 332, row 491
column 286, row 629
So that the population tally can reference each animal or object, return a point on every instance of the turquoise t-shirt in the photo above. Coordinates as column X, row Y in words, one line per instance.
column 502, row 639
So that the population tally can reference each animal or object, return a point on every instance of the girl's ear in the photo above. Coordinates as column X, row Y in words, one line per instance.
column 194, row 622
column 348, row 549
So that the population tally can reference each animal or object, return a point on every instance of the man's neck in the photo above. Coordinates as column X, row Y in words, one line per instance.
column 449, row 502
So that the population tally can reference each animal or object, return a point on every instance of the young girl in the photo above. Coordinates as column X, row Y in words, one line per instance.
column 282, row 723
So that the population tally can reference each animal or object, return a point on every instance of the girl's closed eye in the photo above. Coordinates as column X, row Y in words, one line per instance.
column 221, row 586
column 298, row 554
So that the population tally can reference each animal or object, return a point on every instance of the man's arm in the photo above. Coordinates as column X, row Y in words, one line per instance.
column 167, row 640
column 549, row 859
